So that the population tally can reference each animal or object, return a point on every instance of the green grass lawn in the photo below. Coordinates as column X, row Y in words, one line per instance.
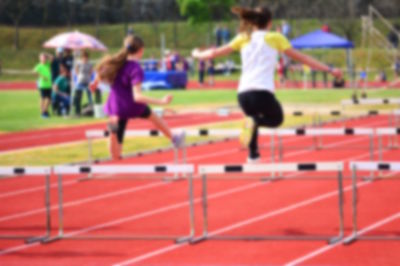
column 19, row 110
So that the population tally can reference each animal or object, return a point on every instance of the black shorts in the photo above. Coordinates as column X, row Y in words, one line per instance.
column 122, row 123
column 146, row 113
column 263, row 107
column 45, row 93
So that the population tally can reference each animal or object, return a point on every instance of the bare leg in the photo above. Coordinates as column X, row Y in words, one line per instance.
column 46, row 103
column 114, row 146
column 161, row 125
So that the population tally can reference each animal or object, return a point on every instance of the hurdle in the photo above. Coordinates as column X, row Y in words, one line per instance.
column 206, row 170
column 32, row 171
column 123, row 169
column 392, row 134
column 96, row 134
column 376, row 101
column 367, row 166
column 320, row 132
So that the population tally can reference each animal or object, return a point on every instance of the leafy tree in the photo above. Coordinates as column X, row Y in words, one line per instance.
column 199, row 11
column 16, row 9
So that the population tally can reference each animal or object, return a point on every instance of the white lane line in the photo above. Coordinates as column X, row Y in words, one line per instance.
column 326, row 248
column 167, row 248
column 126, row 191
column 229, row 152
column 245, row 222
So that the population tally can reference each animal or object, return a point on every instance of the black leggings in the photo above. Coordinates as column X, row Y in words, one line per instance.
column 120, row 128
column 265, row 111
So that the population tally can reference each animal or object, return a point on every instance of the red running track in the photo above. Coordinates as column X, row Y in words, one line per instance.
column 53, row 136
column 289, row 206
column 194, row 85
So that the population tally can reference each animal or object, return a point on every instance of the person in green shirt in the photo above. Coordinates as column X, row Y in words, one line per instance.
column 43, row 69
column 61, row 92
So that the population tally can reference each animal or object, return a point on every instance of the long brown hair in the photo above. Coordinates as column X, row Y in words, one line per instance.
column 107, row 69
column 249, row 17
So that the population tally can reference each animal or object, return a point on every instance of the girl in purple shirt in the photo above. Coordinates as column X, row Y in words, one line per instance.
column 126, row 100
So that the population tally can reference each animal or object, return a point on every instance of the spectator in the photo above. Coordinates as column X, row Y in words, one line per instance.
column 68, row 61
column 211, row 71
column 202, row 71
column 397, row 67
column 381, row 77
column 338, row 82
column 326, row 28
column 84, row 71
column 55, row 64
column 285, row 28
column 226, row 35
column 43, row 70
column 218, row 35
column 61, row 93
column 362, row 78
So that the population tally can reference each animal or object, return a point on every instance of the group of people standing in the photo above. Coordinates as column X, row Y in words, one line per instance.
column 56, row 74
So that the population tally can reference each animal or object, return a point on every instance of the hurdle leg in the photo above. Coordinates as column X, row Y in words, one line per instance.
column 48, row 215
column 371, row 152
column 205, row 213
column 191, row 213
column 60, row 214
column 353, row 236
column 341, row 213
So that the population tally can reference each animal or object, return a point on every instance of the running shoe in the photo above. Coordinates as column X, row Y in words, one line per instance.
column 253, row 160
column 247, row 132
column 178, row 140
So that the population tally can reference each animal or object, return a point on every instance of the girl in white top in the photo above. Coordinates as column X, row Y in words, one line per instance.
column 259, row 50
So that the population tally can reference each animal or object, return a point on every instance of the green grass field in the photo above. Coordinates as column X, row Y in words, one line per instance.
column 19, row 110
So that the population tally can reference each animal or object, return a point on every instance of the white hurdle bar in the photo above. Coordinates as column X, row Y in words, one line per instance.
column 320, row 132
column 391, row 133
column 123, row 169
column 206, row 170
column 367, row 166
column 32, row 171
column 95, row 134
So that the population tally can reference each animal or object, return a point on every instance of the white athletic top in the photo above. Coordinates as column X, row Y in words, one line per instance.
column 259, row 54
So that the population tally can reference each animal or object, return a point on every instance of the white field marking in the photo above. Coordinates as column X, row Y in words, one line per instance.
column 215, row 155
column 158, row 251
column 127, row 191
column 326, row 248
column 246, row 222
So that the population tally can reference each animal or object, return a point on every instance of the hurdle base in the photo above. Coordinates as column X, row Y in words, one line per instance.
column 329, row 239
column 36, row 239
column 198, row 240
column 50, row 240
column 176, row 239
column 355, row 237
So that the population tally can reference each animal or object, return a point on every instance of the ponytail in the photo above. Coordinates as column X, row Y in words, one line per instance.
column 109, row 66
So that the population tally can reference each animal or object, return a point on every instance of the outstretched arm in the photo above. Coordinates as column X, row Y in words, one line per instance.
column 312, row 62
column 139, row 97
column 212, row 52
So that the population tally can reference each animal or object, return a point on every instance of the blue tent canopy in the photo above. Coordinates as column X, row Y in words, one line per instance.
column 321, row 39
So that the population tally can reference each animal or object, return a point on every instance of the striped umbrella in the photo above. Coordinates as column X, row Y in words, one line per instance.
column 75, row 41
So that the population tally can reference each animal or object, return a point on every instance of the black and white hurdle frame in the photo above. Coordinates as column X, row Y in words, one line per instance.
column 318, row 133
column 34, row 172
column 123, row 169
column 206, row 170
column 367, row 166
column 96, row 134
column 392, row 133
